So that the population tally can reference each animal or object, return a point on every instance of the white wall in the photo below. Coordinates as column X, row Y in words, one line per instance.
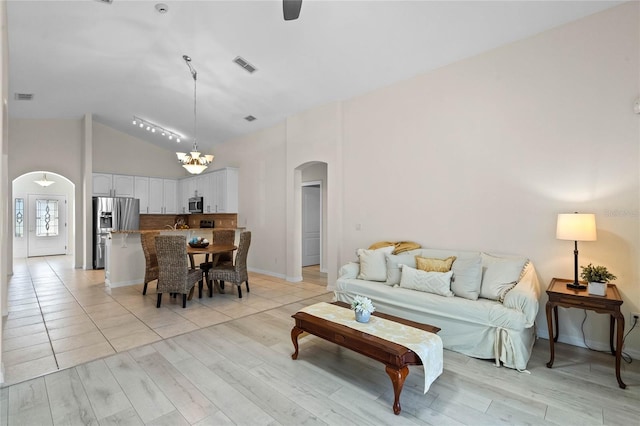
column 484, row 153
column 481, row 154
column 117, row 152
column 261, row 160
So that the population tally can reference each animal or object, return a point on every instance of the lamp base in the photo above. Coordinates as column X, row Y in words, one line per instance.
column 576, row 286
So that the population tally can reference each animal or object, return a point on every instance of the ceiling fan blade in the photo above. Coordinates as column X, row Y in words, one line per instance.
column 291, row 9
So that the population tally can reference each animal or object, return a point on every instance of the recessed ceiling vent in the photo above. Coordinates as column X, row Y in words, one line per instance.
column 244, row 64
column 105, row 1
column 23, row 96
column 250, row 118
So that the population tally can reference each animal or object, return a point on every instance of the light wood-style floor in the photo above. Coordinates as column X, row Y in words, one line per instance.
column 60, row 317
column 240, row 372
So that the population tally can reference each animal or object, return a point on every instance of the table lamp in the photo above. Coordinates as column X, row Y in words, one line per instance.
column 576, row 227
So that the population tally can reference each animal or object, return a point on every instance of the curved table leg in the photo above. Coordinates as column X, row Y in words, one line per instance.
column 397, row 375
column 549, row 308
column 619, row 336
column 295, row 332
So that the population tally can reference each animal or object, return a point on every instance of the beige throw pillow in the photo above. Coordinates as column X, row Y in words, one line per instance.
column 372, row 264
column 429, row 282
column 429, row 264
column 499, row 277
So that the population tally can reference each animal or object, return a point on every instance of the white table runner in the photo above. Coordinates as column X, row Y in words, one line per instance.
column 428, row 346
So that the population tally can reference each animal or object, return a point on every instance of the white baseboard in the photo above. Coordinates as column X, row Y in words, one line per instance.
column 1, row 373
column 593, row 344
column 294, row 279
column 263, row 272
column 111, row 284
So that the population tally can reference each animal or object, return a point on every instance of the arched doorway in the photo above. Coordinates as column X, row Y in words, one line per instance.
column 42, row 214
column 311, row 221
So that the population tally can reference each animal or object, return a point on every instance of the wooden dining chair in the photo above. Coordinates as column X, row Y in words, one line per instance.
column 237, row 272
column 148, row 241
column 175, row 276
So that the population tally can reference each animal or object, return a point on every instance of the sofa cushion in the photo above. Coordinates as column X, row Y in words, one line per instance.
column 372, row 264
column 467, row 277
column 393, row 266
column 499, row 275
column 430, row 264
column 430, row 282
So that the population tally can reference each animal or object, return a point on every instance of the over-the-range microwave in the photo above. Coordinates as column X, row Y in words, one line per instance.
column 195, row 205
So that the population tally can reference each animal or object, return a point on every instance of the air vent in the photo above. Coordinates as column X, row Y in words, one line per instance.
column 23, row 96
column 249, row 118
column 105, row 1
column 244, row 64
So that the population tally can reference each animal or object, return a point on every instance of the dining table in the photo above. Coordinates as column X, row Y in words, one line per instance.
column 214, row 250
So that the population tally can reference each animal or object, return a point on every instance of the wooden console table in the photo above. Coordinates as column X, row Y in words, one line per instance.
column 560, row 295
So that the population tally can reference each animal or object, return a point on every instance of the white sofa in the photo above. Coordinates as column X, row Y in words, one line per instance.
column 481, row 328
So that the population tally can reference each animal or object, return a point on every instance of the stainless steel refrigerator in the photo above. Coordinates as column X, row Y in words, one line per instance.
column 112, row 214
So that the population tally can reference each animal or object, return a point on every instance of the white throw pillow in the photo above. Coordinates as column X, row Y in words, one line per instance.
column 467, row 277
column 430, row 282
column 393, row 266
column 500, row 276
column 373, row 266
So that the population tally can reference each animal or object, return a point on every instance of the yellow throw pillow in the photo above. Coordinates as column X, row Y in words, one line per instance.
column 403, row 246
column 430, row 264
column 376, row 246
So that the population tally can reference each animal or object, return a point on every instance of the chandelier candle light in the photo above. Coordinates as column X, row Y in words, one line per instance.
column 194, row 162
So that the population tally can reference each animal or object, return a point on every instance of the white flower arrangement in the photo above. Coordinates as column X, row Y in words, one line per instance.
column 362, row 304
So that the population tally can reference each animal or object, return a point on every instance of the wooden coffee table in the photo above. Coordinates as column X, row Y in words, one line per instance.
column 396, row 357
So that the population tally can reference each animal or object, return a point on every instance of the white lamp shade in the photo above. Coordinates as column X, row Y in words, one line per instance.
column 576, row 227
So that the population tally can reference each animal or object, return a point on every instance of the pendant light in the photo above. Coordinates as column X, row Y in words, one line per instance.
column 194, row 162
column 44, row 182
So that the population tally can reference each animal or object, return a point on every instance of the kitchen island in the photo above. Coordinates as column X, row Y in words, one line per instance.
column 125, row 263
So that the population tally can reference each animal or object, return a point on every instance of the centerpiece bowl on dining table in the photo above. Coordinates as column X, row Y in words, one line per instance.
column 199, row 245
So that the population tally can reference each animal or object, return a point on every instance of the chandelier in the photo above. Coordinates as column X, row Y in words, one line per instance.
column 194, row 162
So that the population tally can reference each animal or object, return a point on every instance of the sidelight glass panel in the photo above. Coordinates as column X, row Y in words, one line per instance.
column 46, row 218
column 19, row 224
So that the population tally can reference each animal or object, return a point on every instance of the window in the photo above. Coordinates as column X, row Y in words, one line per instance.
column 46, row 218
column 19, row 224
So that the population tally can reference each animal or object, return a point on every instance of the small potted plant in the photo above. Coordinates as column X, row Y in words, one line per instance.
column 597, row 277
column 363, row 308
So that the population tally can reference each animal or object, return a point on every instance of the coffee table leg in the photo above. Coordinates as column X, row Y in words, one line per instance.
column 295, row 332
column 397, row 376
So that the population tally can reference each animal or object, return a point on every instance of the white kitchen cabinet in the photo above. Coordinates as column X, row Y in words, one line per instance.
column 141, row 191
column 221, row 194
column 108, row 185
column 102, row 184
column 123, row 185
column 163, row 196
column 170, row 196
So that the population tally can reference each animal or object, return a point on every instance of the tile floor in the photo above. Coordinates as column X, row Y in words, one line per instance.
column 61, row 317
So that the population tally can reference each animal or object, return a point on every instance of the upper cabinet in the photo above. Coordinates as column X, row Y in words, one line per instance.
column 163, row 196
column 141, row 191
column 108, row 185
column 221, row 193
column 218, row 189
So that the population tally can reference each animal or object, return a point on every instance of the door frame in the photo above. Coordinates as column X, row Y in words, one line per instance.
column 315, row 183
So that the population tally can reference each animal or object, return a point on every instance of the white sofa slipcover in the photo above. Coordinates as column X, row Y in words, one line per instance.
column 481, row 328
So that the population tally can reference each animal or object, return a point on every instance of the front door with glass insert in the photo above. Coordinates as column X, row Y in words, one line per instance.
column 47, row 225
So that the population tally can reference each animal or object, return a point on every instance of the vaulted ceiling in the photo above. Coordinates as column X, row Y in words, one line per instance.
column 120, row 59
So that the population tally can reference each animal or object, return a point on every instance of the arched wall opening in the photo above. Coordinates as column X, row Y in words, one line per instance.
column 24, row 187
column 312, row 171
